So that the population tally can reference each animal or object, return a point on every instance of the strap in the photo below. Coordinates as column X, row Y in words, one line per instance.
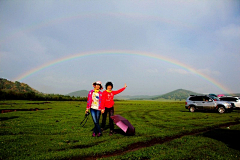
column 85, row 119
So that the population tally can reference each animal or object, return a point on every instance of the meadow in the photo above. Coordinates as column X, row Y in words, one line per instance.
column 164, row 130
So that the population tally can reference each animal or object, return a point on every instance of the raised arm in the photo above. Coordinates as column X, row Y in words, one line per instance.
column 120, row 90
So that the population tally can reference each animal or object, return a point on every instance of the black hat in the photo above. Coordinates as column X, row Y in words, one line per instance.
column 109, row 84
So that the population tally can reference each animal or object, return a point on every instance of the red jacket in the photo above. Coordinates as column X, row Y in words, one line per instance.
column 108, row 97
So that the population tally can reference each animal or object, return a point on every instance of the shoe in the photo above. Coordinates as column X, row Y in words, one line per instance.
column 99, row 134
column 94, row 135
column 111, row 133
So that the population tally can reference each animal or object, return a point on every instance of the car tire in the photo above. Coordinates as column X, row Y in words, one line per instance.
column 192, row 109
column 221, row 109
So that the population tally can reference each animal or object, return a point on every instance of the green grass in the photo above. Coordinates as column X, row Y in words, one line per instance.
column 56, row 133
column 217, row 144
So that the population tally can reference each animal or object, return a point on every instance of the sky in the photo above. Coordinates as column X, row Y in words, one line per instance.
column 202, row 35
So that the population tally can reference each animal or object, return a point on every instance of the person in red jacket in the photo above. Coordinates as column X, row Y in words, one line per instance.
column 108, row 103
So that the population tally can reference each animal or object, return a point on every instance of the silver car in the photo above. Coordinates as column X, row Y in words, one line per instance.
column 204, row 102
column 231, row 99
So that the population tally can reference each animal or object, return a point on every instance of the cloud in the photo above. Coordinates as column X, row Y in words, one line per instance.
column 152, row 70
column 203, row 71
column 227, row 40
column 177, row 70
column 230, row 31
column 209, row 72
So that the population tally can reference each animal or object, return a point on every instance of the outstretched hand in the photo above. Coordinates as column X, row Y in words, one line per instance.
column 125, row 85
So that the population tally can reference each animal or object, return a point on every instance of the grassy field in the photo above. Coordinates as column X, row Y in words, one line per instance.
column 54, row 132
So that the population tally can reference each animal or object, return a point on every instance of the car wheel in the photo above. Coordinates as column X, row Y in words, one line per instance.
column 221, row 109
column 192, row 109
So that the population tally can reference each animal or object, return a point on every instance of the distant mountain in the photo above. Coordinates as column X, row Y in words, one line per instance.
column 233, row 94
column 7, row 86
column 84, row 93
column 236, row 94
column 178, row 94
column 81, row 93
column 137, row 97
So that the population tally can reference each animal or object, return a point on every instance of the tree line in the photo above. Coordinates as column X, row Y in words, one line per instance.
column 20, row 91
column 11, row 95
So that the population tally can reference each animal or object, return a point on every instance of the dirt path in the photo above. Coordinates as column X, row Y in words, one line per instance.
column 140, row 145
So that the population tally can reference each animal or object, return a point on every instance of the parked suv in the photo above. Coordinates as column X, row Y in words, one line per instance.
column 231, row 99
column 204, row 102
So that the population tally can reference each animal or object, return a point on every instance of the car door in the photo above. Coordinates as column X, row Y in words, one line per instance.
column 209, row 104
column 206, row 104
column 237, row 103
column 198, row 102
column 234, row 100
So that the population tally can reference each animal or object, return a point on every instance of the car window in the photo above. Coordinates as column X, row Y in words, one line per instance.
column 197, row 98
column 229, row 99
column 200, row 98
column 234, row 99
column 192, row 98
column 207, row 99
column 223, row 99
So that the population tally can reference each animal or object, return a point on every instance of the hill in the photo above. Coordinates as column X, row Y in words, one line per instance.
column 20, row 91
column 178, row 94
column 233, row 94
column 81, row 93
column 137, row 97
column 7, row 86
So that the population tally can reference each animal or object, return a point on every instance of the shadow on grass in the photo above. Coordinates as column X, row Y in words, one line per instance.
column 7, row 118
column 116, row 131
column 184, row 111
column 75, row 147
column 227, row 136
column 119, row 131
column 78, row 146
column 14, row 110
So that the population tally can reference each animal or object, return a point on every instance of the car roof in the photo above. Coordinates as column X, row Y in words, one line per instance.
column 229, row 97
column 197, row 95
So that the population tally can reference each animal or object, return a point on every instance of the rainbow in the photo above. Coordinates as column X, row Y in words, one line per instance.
column 145, row 54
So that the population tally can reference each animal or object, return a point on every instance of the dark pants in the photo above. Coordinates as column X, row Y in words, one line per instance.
column 111, row 113
column 95, row 116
